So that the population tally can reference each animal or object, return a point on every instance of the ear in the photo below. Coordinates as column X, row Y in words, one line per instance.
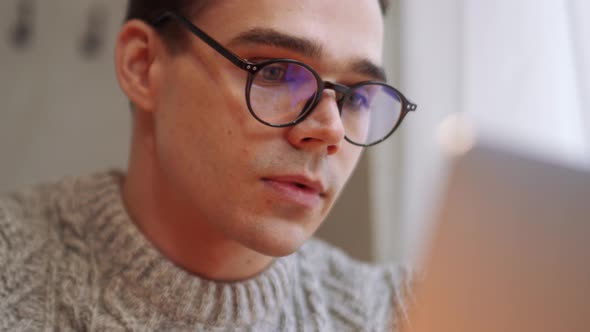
column 135, row 55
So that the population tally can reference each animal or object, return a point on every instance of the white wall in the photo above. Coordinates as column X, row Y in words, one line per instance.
column 61, row 110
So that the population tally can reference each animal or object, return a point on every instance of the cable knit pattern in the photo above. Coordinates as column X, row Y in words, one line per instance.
column 71, row 259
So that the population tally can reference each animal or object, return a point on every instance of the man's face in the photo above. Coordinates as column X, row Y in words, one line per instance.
column 266, row 188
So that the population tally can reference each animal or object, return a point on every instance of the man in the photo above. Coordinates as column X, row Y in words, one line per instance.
column 236, row 159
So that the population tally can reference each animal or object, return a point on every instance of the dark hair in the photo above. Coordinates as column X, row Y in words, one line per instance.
column 148, row 10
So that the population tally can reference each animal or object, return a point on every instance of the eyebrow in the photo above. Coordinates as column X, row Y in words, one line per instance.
column 303, row 46
column 368, row 68
column 271, row 37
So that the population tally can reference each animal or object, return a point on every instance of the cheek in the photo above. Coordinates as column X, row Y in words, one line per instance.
column 202, row 108
column 199, row 137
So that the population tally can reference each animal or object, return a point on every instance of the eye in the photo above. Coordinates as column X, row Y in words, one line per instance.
column 273, row 73
column 357, row 101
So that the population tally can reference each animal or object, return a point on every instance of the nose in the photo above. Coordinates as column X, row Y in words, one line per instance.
column 322, row 129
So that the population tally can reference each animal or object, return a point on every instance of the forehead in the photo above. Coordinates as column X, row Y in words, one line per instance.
column 345, row 30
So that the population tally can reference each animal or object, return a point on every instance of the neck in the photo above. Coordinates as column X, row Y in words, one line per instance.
column 168, row 221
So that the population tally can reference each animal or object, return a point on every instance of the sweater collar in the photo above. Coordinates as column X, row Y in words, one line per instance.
column 136, row 270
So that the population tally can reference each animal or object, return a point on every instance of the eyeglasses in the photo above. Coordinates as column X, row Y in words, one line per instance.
column 283, row 92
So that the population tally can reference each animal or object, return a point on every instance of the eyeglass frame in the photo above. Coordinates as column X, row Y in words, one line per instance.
column 252, row 68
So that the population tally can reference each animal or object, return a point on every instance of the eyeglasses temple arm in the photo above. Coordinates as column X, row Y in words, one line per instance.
column 236, row 60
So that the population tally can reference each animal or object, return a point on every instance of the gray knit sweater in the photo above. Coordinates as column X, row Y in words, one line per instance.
column 72, row 260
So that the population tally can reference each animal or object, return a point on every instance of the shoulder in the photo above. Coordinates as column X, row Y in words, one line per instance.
column 27, row 248
column 23, row 218
column 50, row 210
column 332, row 263
column 32, row 217
column 45, row 206
column 358, row 293
column 31, row 211
column 42, row 228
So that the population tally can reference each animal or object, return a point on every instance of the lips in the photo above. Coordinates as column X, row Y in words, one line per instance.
column 300, row 182
column 299, row 190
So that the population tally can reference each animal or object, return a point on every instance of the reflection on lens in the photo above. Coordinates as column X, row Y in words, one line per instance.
column 370, row 113
column 281, row 91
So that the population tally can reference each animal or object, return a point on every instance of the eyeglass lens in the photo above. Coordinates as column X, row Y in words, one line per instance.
column 281, row 93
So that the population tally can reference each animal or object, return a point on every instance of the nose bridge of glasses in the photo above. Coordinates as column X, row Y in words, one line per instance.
column 339, row 89
column 339, row 92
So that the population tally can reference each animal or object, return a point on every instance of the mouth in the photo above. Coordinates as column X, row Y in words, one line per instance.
column 297, row 189
column 300, row 182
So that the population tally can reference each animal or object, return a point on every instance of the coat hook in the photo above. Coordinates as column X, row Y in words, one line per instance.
column 22, row 32
column 92, row 41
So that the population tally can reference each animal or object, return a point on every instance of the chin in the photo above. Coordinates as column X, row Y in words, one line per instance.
column 282, row 250
column 278, row 243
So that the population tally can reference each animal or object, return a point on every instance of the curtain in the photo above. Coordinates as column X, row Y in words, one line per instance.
column 520, row 69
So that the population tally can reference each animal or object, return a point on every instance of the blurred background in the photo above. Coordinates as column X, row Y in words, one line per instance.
column 518, row 69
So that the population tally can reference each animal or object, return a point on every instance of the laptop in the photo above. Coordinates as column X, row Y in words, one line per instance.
column 510, row 251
